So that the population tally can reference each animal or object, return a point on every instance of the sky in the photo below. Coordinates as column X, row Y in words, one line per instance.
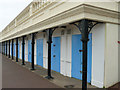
column 9, row 9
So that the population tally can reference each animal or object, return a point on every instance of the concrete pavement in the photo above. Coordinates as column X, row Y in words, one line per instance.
column 15, row 76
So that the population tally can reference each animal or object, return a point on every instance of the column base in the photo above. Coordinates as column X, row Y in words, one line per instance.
column 49, row 77
column 23, row 64
column 32, row 69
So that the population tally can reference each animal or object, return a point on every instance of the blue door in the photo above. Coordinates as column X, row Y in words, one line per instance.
column 89, row 64
column 18, row 50
column 77, row 57
column 55, row 54
column 39, row 49
column 14, row 54
column 5, row 48
column 29, row 51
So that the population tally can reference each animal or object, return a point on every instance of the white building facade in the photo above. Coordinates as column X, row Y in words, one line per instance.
column 66, row 56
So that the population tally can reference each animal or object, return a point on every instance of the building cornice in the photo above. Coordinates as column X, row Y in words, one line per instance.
column 74, row 14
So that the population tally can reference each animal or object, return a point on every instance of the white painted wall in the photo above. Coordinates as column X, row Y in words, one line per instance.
column 63, row 53
column 26, row 48
column 111, row 55
column 119, row 52
column 45, row 52
column 66, row 53
column 98, row 46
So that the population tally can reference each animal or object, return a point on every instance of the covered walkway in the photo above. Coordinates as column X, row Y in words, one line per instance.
column 15, row 76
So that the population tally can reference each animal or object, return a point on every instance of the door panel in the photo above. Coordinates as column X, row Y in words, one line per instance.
column 14, row 49
column 55, row 54
column 77, row 57
column 11, row 49
column 39, row 52
column 89, row 63
column 29, row 51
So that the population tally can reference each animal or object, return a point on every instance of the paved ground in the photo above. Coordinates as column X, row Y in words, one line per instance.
column 14, row 71
column 116, row 86
column 15, row 76
column 60, row 80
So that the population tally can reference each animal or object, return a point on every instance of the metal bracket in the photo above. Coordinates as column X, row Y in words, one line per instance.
column 52, row 30
column 91, row 24
column 63, row 27
column 49, row 33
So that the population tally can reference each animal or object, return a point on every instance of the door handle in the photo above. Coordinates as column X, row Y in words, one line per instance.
column 80, row 71
column 54, row 45
column 54, row 55
column 80, row 50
